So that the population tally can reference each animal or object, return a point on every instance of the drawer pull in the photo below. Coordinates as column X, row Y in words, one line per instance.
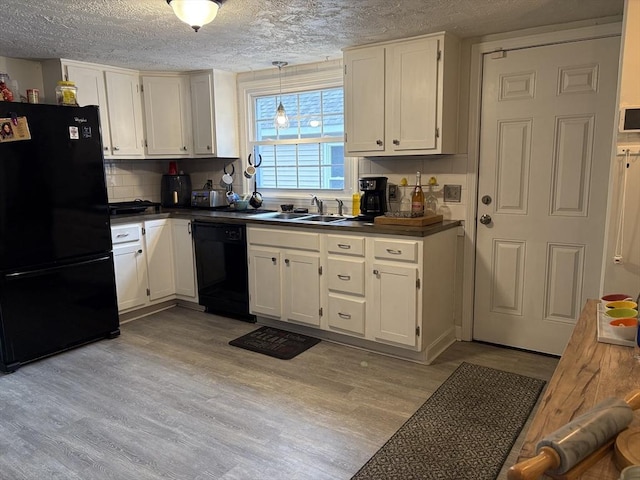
column 393, row 251
column 286, row 261
column 344, row 277
column 273, row 259
column 122, row 235
column 346, row 316
column 344, row 246
column 139, row 251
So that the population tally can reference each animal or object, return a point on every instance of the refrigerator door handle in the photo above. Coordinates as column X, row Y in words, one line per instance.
column 40, row 271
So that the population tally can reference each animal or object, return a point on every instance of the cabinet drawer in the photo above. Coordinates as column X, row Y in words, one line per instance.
column 347, row 314
column 125, row 233
column 345, row 245
column 346, row 276
column 396, row 250
column 284, row 239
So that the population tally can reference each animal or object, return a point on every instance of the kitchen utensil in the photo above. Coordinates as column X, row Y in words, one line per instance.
column 256, row 198
column 567, row 446
column 614, row 297
column 622, row 304
column 227, row 178
column 624, row 328
column 621, row 313
column 250, row 171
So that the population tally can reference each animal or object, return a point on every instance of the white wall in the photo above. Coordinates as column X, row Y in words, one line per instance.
column 27, row 73
column 625, row 277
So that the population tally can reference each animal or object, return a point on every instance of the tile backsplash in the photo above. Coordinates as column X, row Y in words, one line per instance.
column 140, row 179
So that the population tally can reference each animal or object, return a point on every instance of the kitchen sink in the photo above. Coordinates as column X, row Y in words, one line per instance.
column 286, row 215
column 323, row 218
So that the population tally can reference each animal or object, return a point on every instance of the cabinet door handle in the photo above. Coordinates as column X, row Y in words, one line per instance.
column 273, row 259
column 396, row 142
column 286, row 260
column 106, row 149
column 379, row 143
column 208, row 147
column 189, row 228
column 344, row 246
column 116, row 148
column 122, row 235
column 344, row 277
column 376, row 272
column 394, row 252
column 184, row 148
column 346, row 316
column 139, row 251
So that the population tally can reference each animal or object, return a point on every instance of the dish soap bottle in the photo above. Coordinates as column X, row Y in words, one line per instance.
column 417, row 199
column 431, row 202
column 355, row 204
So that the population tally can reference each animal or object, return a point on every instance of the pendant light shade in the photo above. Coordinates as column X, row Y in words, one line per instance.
column 280, row 121
column 195, row 13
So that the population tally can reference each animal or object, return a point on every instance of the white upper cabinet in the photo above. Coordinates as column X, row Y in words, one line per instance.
column 125, row 113
column 401, row 97
column 92, row 91
column 116, row 91
column 167, row 114
column 214, row 114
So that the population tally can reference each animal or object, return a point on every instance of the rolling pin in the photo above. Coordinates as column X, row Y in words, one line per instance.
column 567, row 446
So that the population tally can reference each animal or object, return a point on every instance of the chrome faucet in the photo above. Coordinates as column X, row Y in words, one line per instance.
column 340, row 205
column 315, row 200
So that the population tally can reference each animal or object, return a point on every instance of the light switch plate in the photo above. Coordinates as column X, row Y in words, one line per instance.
column 452, row 193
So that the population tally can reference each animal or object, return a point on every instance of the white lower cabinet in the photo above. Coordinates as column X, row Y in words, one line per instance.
column 284, row 283
column 159, row 244
column 154, row 263
column 184, row 259
column 130, row 266
column 394, row 302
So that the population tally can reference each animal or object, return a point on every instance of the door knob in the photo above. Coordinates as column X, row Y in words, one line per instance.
column 485, row 219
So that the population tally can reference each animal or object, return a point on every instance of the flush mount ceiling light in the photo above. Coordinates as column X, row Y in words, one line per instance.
column 195, row 13
column 281, row 120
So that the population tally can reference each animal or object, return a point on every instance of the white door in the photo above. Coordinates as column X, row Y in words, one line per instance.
column 545, row 147
column 201, row 102
column 125, row 115
column 183, row 258
column 131, row 276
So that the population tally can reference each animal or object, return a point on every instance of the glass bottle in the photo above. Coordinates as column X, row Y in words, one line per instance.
column 431, row 201
column 66, row 93
column 417, row 199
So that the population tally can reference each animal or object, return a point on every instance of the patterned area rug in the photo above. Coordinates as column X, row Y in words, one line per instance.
column 275, row 342
column 465, row 430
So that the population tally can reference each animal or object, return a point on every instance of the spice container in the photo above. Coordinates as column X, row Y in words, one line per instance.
column 66, row 93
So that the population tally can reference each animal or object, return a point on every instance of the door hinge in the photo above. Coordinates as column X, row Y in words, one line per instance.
column 320, row 270
column 144, row 231
column 320, row 311
column 418, row 331
column 437, row 132
column 148, row 292
column 145, row 143
column 141, row 88
column 439, row 55
column 417, row 283
column 345, row 137
column 345, row 69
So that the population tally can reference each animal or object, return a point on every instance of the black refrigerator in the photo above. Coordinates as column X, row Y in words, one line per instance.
column 57, row 281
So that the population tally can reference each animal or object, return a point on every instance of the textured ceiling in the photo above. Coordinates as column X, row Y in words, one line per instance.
column 250, row 34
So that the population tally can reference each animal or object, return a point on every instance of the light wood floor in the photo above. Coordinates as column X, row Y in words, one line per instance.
column 170, row 399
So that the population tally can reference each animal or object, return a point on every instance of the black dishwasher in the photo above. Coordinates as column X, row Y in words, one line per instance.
column 221, row 263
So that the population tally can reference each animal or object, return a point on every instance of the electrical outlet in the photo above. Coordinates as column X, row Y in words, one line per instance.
column 452, row 193
column 393, row 192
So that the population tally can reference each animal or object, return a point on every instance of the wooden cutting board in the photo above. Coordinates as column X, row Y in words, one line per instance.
column 408, row 221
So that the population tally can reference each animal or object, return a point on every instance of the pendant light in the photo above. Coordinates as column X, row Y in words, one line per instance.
column 280, row 121
column 195, row 13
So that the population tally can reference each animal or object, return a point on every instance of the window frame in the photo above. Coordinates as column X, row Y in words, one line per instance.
column 294, row 80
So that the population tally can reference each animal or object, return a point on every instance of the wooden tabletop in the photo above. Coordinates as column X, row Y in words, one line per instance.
column 588, row 372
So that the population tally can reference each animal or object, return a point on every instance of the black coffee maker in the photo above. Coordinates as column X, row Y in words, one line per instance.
column 373, row 201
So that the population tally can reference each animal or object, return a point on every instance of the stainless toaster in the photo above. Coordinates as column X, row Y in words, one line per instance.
column 209, row 198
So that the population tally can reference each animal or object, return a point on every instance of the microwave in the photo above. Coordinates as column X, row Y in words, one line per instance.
column 629, row 119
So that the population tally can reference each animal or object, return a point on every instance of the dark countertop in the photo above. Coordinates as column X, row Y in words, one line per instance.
column 255, row 219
